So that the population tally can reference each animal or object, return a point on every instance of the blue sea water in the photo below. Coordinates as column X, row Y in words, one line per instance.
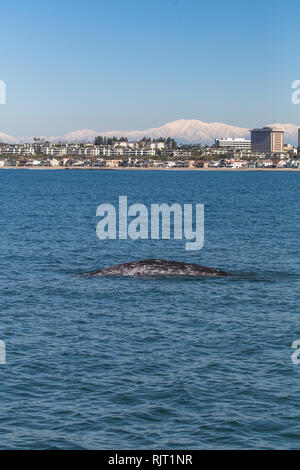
column 103, row 363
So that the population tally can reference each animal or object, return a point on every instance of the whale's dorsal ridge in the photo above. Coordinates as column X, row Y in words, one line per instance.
column 158, row 267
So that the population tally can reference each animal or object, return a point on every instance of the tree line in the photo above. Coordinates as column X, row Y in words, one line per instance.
column 103, row 140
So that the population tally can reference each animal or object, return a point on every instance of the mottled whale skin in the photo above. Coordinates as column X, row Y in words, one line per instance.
column 156, row 268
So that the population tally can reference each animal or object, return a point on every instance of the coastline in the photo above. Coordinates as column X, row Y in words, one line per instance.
column 142, row 169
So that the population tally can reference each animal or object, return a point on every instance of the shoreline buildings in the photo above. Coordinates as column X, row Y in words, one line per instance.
column 265, row 149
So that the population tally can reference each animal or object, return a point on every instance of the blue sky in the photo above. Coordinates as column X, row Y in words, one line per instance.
column 117, row 64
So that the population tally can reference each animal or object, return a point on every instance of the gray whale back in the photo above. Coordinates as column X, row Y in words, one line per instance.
column 158, row 267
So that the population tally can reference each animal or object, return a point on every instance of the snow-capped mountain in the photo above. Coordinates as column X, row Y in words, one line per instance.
column 183, row 130
column 84, row 135
column 7, row 139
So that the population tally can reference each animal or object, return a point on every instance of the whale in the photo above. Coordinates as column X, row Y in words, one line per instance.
column 157, row 268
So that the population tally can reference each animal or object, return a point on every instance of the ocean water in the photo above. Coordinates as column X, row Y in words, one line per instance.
column 102, row 363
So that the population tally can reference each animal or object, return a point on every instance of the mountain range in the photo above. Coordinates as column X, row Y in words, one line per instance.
column 183, row 130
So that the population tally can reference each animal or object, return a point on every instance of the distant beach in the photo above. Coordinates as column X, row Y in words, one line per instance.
column 142, row 169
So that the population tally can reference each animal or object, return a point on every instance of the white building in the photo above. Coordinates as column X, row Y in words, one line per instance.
column 157, row 145
column 234, row 143
column 235, row 163
column 54, row 162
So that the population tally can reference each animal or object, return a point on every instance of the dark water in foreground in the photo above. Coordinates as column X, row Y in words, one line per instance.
column 100, row 363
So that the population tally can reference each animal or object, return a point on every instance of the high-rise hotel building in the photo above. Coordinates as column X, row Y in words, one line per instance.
column 266, row 140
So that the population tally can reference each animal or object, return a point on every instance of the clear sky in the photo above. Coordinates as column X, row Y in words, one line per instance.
column 134, row 64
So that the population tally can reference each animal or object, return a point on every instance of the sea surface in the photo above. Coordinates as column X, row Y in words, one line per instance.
column 118, row 363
